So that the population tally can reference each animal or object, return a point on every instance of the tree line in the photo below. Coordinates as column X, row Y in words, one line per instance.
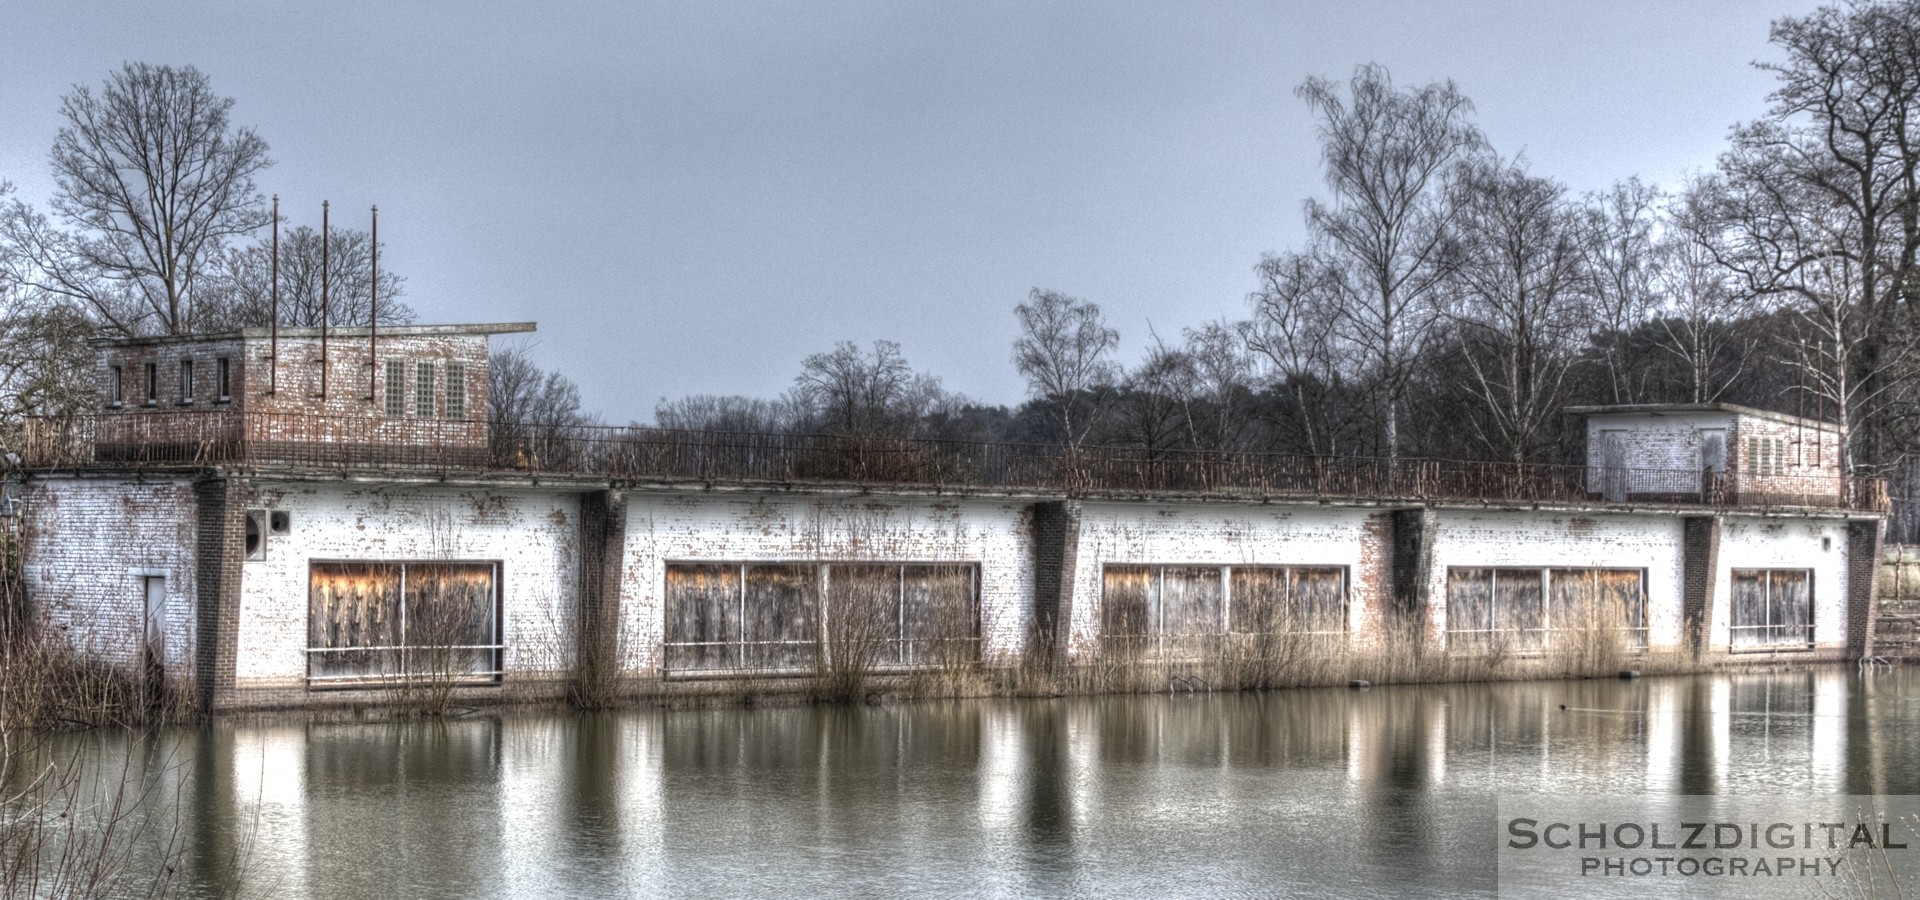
column 1447, row 301
column 1450, row 301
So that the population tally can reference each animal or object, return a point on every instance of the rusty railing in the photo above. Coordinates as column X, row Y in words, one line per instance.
column 266, row 440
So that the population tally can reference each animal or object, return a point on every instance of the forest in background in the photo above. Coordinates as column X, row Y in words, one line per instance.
column 1449, row 301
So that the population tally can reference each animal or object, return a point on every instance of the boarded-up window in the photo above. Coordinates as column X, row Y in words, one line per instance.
column 1772, row 608
column 703, row 616
column 1168, row 601
column 780, row 616
column 1521, row 610
column 1590, row 600
column 768, row 617
column 1277, row 599
column 1181, row 609
column 373, row 621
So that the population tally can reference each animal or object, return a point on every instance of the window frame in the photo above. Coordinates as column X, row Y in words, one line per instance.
column 424, row 406
column 1776, row 628
column 456, row 390
column 186, row 381
column 1459, row 640
column 397, row 404
column 223, row 379
column 495, row 673
column 734, row 652
column 1155, row 637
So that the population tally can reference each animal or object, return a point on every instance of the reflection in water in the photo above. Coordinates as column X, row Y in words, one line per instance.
column 1378, row 793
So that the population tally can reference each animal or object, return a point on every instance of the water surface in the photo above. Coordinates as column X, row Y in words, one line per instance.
column 1388, row 792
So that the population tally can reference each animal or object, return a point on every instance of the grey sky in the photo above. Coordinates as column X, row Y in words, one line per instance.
column 690, row 197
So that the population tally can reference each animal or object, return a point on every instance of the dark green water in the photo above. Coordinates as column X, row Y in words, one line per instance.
column 1388, row 792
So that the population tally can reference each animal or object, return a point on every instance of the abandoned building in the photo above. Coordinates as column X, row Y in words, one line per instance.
column 291, row 516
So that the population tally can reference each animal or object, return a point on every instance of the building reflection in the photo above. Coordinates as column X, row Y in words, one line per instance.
column 1025, row 797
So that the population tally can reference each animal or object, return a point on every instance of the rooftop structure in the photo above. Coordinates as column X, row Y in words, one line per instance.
column 252, row 400
column 286, row 518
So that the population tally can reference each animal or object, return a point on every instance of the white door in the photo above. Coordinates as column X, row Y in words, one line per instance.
column 156, row 642
column 1613, row 461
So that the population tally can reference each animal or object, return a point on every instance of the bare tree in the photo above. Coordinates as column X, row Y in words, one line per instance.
column 1823, row 195
column 1148, row 411
column 238, row 289
column 1620, row 250
column 1296, row 330
column 849, row 392
column 706, row 412
column 1388, row 154
column 1517, row 302
column 46, row 365
column 532, row 412
column 1696, row 321
column 1065, row 352
column 153, row 180
column 1215, row 405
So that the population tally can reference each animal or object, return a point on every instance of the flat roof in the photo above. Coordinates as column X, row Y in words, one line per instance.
column 1663, row 409
column 344, row 331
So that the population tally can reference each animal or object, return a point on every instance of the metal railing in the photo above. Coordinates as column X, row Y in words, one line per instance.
column 269, row 440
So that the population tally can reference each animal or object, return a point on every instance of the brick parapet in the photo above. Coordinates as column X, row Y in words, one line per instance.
column 1056, row 541
column 1700, row 562
column 603, row 539
column 1863, row 607
column 220, row 550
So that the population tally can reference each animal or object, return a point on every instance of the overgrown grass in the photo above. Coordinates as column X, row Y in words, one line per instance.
column 75, row 823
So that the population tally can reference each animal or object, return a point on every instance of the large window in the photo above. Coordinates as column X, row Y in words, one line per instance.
column 1527, row 610
column 1772, row 609
column 770, row 617
column 372, row 622
column 1169, row 605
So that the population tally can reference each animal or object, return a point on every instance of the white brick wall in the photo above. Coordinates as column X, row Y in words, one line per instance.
column 93, row 540
column 533, row 534
column 743, row 527
column 1226, row 535
column 90, row 544
column 1753, row 542
column 1539, row 540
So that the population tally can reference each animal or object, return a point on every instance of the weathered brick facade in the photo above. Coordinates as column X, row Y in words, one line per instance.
column 221, row 517
column 1702, row 563
column 1056, row 537
column 603, row 542
column 1863, row 601
column 252, row 386
column 132, row 558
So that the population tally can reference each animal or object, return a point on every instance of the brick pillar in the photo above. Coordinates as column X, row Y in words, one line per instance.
column 1056, row 547
column 1863, row 596
column 1700, row 552
column 1412, row 568
column 603, row 544
column 221, row 505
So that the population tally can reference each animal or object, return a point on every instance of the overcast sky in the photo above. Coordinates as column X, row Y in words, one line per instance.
column 692, row 197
